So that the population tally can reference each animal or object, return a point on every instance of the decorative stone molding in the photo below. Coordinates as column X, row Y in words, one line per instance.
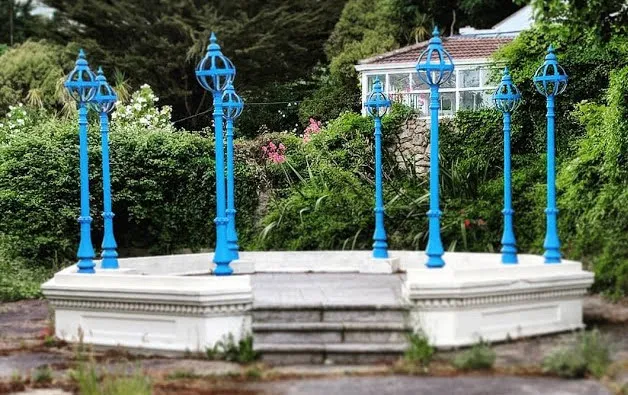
column 169, row 309
column 476, row 297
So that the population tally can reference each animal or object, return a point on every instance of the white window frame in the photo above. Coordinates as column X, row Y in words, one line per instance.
column 484, row 67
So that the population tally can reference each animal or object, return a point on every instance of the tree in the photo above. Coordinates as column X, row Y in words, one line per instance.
column 602, row 18
column 270, row 42
column 18, row 24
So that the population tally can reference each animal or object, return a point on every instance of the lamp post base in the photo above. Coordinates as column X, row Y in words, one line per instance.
column 239, row 266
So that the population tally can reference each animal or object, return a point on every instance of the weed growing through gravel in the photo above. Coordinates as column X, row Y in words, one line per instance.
column 42, row 374
column 420, row 350
column 480, row 356
column 229, row 350
column 589, row 355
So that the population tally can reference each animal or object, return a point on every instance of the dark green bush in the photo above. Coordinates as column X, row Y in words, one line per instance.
column 420, row 350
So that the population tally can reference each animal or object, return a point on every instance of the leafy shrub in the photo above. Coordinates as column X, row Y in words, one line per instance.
column 420, row 350
column 589, row 355
column 229, row 350
column 32, row 72
column 595, row 185
column 20, row 281
column 480, row 356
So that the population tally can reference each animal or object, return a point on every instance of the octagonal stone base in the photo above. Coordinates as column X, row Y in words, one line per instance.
column 159, row 312
column 476, row 297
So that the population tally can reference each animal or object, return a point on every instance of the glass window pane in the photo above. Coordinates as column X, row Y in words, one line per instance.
column 371, row 80
column 417, row 84
column 474, row 100
column 470, row 78
column 420, row 102
column 490, row 77
column 447, row 103
column 451, row 83
column 399, row 82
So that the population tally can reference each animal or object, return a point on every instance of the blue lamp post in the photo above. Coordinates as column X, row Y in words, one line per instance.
column 81, row 84
column 377, row 104
column 215, row 72
column 507, row 98
column 232, row 105
column 435, row 68
column 105, row 101
column 551, row 80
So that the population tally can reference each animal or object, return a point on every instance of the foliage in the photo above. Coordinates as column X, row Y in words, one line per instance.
column 162, row 182
column 229, row 350
column 480, row 356
column 420, row 350
column 18, row 22
column 32, row 73
column 589, row 355
column 20, row 281
column 595, row 185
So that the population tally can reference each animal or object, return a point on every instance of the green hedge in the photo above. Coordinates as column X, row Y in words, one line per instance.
column 163, row 186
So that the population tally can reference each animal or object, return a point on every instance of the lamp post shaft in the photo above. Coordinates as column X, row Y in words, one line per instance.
column 109, row 254
column 509, row 249
column 232, row 234
column 380, row 245
column 85, row 252
column 552, row 242
column 221, row 254
column 434, row 248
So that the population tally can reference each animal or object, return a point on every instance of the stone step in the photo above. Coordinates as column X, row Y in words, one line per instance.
column 344, row 353
column 331, row 332
column 330, row 313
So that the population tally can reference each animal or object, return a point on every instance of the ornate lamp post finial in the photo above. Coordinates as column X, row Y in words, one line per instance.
column 215, row 72
column 435, row 67
column 377, row 104
column 105, row 101
column 506, row 99
column 232, row 106
column 81, row 84
column 550, row 80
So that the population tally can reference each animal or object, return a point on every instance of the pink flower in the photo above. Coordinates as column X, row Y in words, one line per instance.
column 264, row 149
column 272, row 146
column 282, row 147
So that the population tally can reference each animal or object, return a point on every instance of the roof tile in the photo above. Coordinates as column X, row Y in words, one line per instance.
column 459, row 47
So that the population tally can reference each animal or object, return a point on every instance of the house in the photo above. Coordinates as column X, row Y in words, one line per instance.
column 473, row 81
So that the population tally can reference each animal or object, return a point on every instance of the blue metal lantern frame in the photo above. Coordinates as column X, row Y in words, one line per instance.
column 550, row 80
column 434, row 67
column 82, row 86
column 232, row 106
column 507, row 98
column 105, row 101
column 377, row 104
column 215, row 72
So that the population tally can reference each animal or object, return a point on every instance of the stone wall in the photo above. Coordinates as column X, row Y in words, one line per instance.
column 411, row 145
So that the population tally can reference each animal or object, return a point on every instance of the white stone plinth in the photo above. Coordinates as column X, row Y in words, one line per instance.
column 476, row 297
column 240, row 266
column 157, row 312
column 380, row 266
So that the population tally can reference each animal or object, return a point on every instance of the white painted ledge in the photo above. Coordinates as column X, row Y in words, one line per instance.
column 476, row 297
column 380, row 266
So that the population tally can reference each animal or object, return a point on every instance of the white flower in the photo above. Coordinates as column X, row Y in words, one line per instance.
column 137, row 107
column 145, row 86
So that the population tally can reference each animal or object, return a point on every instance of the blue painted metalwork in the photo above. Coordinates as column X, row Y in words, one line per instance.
column 507, row 98
column 215, row 72
column 435, row 67
column 551, row 80
column 105, row 100
column 232, row 106
column 81, row 85
column 377, row 104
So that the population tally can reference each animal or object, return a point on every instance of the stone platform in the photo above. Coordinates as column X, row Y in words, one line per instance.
column 316, row 306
